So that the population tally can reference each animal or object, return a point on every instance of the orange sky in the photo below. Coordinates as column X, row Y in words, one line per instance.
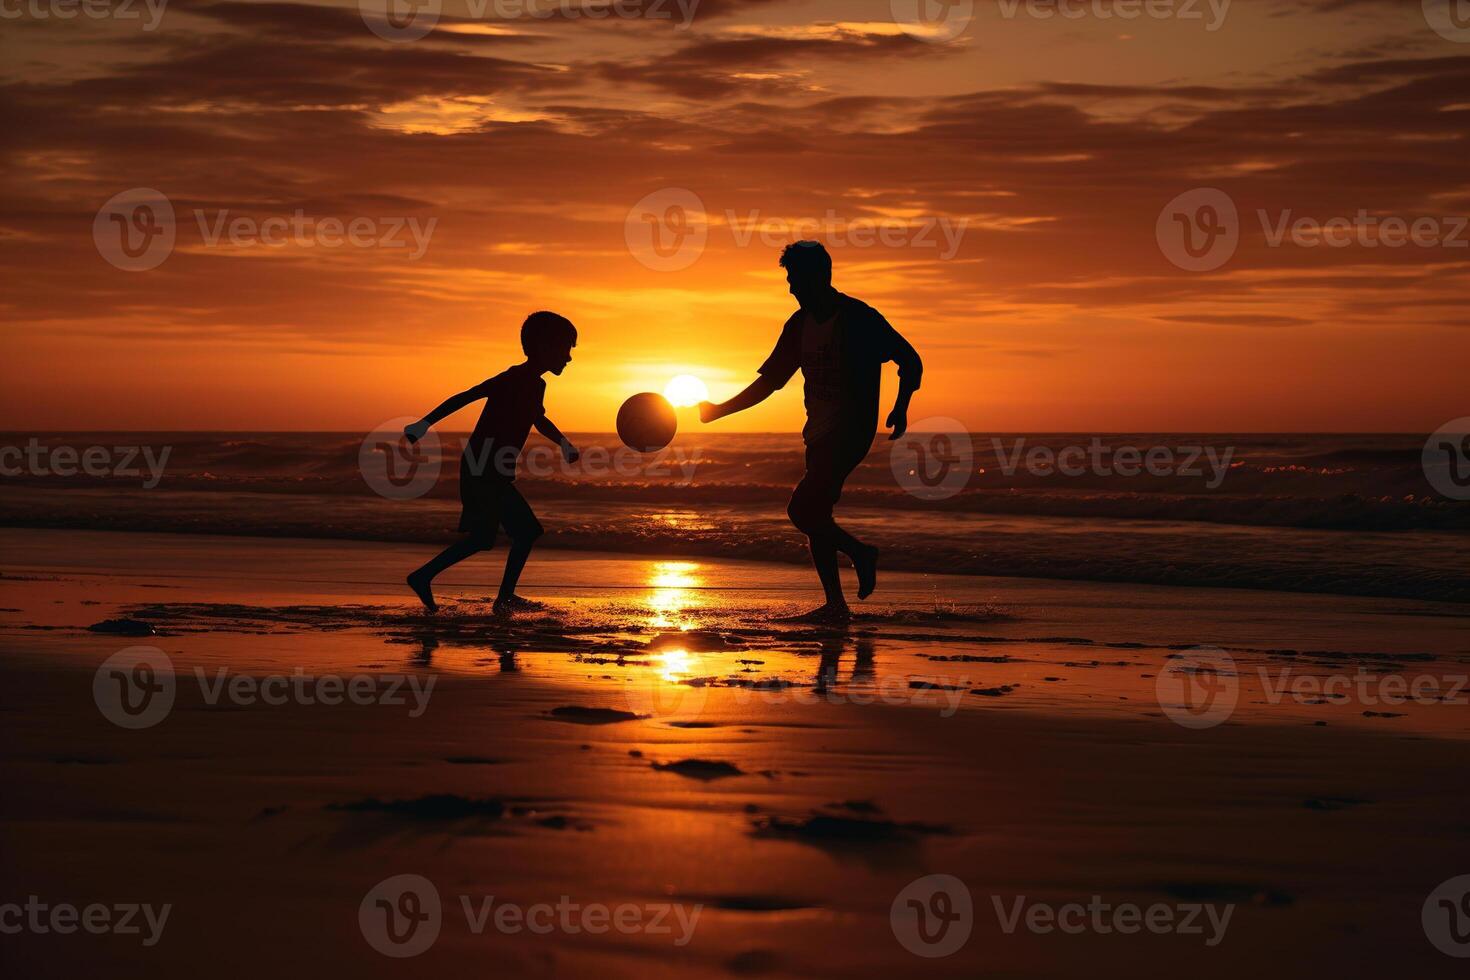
column 1046, row 147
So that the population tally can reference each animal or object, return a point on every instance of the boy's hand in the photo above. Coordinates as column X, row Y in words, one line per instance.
column 569, row 451
column 708, row 411
column 898, row 421
column 414, row 431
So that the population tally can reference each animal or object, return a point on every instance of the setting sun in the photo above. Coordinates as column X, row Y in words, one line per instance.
column 686, row 390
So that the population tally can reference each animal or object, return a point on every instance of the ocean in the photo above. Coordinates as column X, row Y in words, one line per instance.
column 1349, row 514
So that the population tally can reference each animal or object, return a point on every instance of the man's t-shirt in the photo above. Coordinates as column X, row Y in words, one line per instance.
column 841, row 365
column 513, row 403
column 821, row 367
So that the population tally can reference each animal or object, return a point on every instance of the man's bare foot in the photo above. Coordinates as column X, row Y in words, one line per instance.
column 510, row 605
column 830, row 614
column 866, row 563
column 420, row 585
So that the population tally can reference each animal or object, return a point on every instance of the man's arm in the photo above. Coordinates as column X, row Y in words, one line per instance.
column 415, row 430
column 771, row 376
column 569, row 452
column 756, row 392
column 910, row 374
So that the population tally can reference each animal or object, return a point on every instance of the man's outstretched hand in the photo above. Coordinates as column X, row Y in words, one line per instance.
column 569, row 452
column 414, row 431
column 898, row 421
column 708, row 411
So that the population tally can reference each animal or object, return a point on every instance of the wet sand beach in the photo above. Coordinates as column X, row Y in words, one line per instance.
column 657, row 743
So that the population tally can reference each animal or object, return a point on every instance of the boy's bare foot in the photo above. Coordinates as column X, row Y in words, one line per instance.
column 830, row 614
column 514, row 604
column 420, row 585
column 866, row 563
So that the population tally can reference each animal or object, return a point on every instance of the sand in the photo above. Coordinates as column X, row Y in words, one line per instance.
column 658, row 738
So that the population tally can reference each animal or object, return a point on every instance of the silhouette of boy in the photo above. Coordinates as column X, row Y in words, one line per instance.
column 840, row 345
column 487, row 470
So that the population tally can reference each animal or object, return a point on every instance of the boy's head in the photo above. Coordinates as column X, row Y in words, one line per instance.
column 808, row 271
column 548, row 339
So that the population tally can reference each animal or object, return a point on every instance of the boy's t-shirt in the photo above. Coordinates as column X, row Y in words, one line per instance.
column 513, row 403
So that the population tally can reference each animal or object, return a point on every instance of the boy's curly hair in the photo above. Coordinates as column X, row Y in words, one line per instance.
column 543, row 328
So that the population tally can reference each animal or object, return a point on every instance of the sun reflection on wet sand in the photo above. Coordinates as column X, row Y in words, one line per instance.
column 674, row 665
column 672, row 584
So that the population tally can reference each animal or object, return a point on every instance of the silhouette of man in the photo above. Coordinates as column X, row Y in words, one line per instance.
column 840, row 345
column 487, row 471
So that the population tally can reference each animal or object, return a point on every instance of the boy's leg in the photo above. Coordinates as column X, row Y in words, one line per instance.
column 522, row 527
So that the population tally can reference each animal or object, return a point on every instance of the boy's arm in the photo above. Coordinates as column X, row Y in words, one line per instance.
column 548, row 429
column 415, row 430
column 756, row 392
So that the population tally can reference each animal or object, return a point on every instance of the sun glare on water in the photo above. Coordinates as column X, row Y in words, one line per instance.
column 685, row 390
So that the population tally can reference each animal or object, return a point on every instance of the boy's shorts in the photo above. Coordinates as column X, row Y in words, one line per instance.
column 491, row 502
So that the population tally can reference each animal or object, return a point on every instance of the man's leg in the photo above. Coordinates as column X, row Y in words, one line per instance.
column 421, row 579
column 810, row 510
column 522, row 527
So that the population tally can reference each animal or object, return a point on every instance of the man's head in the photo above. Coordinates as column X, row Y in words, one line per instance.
column 808, row 271
column 548, row 339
